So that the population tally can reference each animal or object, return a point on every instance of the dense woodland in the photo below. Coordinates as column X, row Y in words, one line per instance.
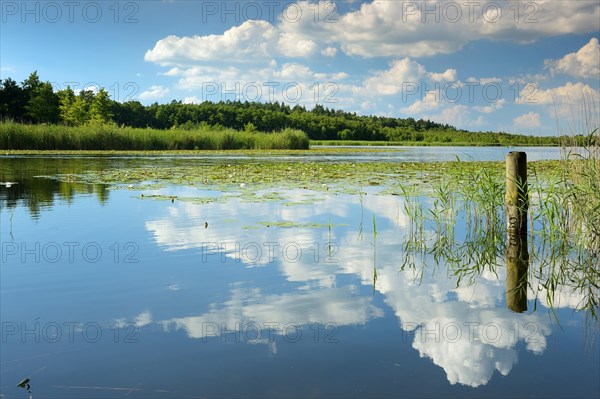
column 35, row 102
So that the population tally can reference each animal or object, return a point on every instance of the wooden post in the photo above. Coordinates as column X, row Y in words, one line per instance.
column 517, row 256
column 517, row 195
column 517, row 266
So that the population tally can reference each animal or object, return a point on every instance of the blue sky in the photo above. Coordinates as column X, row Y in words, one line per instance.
column 516, row 66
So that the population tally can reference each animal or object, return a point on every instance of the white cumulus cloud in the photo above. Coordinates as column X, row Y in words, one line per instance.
column 569, row 93
column 584, row 63
column 402, row 74
column 329, row 51
column 154, row 92
column 528, row 120
column 248, row 42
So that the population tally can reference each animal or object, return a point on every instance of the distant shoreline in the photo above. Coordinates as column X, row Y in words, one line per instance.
column 366, row 143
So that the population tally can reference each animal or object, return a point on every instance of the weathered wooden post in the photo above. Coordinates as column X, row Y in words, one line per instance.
column 517, row 256
column 517, row 193
column 517, row 265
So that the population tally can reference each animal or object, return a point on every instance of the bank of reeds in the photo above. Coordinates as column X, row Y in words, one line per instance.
column 15, row 136
column 564, row 221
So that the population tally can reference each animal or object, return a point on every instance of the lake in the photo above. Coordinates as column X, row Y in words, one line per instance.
column 170, row 290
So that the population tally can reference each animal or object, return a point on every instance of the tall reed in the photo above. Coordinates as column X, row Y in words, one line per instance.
column 14, row 136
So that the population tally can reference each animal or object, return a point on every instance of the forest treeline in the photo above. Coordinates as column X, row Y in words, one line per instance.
column 35, row 102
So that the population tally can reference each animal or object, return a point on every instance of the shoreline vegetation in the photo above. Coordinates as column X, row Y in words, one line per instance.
column 110, row 137
column 34, row 116
column 366, row 143
column 106, row 137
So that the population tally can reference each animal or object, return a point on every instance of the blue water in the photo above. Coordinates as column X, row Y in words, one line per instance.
column 104, row 294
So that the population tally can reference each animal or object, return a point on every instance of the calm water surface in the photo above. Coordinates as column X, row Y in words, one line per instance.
column 104, row 294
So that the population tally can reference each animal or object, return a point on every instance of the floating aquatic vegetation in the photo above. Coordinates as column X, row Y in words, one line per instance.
column 289, row 223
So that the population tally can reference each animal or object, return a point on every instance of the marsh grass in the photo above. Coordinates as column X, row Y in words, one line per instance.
column 564, row 215
column 362, row 213
column 374, row 252
column 12, row 215
column 579, row 217
column 14, row 136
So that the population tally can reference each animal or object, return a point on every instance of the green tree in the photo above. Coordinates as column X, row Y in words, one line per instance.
column 101, row 109
column 130, row 113
column 250, row 128
column 42, row 106
column 66, row 98
column 32, row 83
column 73, row 109
column 12, row 100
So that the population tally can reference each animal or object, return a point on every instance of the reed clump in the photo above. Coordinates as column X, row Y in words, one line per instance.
column 564, row 214
column 15, row 136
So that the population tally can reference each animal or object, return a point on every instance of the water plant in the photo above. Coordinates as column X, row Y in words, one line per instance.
column 374, row 252
column 362, row 214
